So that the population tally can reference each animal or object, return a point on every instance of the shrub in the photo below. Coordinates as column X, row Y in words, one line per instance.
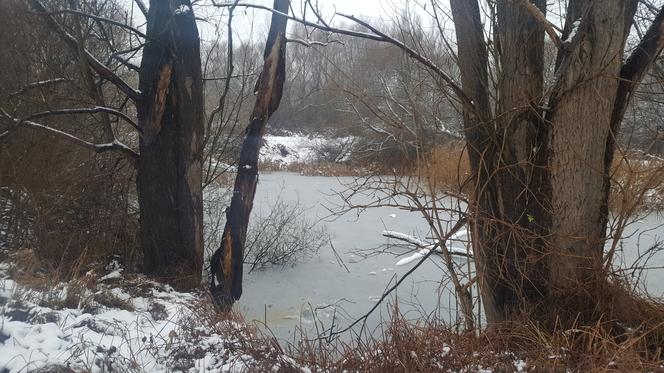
column 282, row 236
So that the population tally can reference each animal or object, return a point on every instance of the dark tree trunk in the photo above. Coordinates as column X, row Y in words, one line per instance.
column 171, row 115
column 226, row 263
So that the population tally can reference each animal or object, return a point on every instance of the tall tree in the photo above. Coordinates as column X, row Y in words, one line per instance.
column 226, row 263
column 171, row 115
column 170, row 125
column 541, row 160
column 540, row 155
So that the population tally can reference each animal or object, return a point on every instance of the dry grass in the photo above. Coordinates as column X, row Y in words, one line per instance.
column 431, row 346
column 637, row 179
column 628, row 337
column 446, row 168
column 319, row 168
column 638, row 182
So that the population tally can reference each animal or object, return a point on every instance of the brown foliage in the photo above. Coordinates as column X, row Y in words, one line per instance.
column 431, row 346
column 67, row 203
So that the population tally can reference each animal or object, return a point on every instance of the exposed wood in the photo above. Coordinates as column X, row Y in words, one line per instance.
column 171, row 115
column 226, row 263
column 152, row 126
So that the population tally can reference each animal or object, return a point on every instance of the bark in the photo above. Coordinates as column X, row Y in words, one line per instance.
column 515, row 214
column 502, row 152
column 540, row 204
column 473, row 63
column 170, row 114
column 579, row 121
column 227, row 262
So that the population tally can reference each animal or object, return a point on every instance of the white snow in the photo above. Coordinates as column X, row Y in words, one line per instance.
column 426, row 247
column 152, row 329
column 412, row 258
column 182, row 9
column 295, row 148
column 446, row 350
column 113, row 275
column 573, row 31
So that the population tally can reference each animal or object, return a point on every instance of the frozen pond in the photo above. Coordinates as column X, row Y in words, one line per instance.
column 318, row 292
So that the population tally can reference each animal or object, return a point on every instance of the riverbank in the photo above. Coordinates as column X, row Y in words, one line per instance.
column 108, row 321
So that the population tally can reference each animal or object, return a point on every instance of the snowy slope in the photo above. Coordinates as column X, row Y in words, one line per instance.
column 298, row 148
column 120, row 325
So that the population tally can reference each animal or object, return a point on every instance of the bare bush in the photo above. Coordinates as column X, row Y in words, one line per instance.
column 334, row 150
column 282, row 236
column 66, row 203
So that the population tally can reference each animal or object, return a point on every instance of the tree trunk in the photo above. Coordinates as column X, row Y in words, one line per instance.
column 226, row 263
column 540, row 204
column 579, row 120
column 171, row 115
column 473, row 64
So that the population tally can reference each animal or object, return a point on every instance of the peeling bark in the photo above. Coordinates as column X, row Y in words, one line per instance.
column 170, row 114
column 226, row 263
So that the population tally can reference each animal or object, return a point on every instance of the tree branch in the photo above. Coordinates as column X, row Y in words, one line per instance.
column 101, row 69
column 101, row 19
column 97, row 148
column 96, row 109
column 41, row 83
column 549, row 27
column 375, row 35
column 142, row 7
column 459, row 224
column 309, row 43
column 638, row 63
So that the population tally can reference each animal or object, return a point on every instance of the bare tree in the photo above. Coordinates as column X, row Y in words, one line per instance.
column 171, row 116
column 540, row 155
column 170, row 112
column 226, row 263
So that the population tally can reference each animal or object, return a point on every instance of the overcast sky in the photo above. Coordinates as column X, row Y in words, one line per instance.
column 246, row 18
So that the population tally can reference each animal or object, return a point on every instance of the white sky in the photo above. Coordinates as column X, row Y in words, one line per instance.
column 246, row 18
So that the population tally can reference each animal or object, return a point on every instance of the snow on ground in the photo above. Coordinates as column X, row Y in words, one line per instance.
column 297, row 148
column 288, row 149
column 120, row 325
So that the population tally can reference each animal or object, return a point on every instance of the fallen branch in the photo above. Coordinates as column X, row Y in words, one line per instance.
column 459, row 224
column 426, row 247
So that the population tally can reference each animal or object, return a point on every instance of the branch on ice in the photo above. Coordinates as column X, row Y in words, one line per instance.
column 425, row 247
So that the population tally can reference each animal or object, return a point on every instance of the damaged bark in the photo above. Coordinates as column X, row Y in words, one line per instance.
column 170, row 114
column 227, row 262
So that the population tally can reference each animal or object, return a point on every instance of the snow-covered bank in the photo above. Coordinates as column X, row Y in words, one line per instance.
column 298, row 148
column 112, row 324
